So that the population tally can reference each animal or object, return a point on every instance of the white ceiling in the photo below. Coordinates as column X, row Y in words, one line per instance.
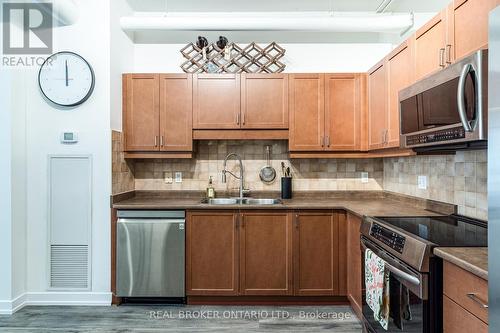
column 285, row 5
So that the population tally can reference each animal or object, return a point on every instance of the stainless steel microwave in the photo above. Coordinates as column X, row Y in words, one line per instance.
column 447, row 109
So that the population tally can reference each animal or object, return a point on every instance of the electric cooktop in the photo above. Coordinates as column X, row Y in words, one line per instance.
column 451, row 230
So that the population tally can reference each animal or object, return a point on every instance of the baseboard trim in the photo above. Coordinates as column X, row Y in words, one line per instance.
column 55, row 298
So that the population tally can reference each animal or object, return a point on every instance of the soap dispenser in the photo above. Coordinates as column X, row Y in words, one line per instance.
column 210, row 189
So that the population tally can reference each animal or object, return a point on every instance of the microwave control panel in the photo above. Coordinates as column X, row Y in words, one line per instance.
column 394, row 240
column 437, row 136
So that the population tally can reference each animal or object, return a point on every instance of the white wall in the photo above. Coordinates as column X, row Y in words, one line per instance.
column 299, row 58
column 122, row 59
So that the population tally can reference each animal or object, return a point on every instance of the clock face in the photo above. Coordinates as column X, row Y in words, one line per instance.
column 66, row 79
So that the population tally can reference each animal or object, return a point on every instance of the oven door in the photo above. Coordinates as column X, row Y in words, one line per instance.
column 409, row 309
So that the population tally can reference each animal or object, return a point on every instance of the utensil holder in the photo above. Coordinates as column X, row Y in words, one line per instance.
column 286, row 187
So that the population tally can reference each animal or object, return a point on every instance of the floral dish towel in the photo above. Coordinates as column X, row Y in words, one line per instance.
column 377, row 287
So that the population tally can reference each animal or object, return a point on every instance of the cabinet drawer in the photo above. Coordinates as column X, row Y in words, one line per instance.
column 456, row 319
column 466, row 289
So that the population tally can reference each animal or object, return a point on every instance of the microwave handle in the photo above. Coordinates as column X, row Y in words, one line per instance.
column 461, row 97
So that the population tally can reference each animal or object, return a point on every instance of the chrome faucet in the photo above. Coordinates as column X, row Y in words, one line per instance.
column 224, row 171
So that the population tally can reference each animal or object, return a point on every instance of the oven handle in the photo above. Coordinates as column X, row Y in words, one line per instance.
column 394, row 270
column 461, row 96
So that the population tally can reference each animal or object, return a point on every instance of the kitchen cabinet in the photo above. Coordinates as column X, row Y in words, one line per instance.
column 176, row 116
column 265, row 253
column 399, row 75
column 458, row 320
column 325, row 112
column 377, row 106
column 216, row 101
column 212, row 253
column 430, row 46
column 316, row 257
column 141, row 112
column 157, row 112
column 468, row 27
column 264, row 101
column 354, row 264
column 307, row 112
column 343, row 112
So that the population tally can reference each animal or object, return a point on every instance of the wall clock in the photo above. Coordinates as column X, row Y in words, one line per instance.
column 66, row 79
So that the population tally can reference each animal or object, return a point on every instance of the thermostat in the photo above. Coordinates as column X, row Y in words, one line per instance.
column 69, row 137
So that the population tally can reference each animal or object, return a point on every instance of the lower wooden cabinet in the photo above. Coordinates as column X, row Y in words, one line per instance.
column 212, row 253
column 316, row 253
column 354, row 262
column 458, row 320
column 266, row 253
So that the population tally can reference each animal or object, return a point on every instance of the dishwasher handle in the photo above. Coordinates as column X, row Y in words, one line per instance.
column 146, row 221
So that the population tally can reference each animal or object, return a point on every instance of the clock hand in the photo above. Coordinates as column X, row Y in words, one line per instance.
column 67, row 81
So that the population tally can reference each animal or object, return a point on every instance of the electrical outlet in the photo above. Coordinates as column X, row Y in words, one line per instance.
column 178, row 177
column 364, row 177
column 422, row 182
column 167, row 177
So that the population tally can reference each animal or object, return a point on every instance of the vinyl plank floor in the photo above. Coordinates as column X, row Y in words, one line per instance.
column 164, row 318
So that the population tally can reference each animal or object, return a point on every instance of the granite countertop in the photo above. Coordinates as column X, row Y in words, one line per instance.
column 361, row 203
column 472, row 259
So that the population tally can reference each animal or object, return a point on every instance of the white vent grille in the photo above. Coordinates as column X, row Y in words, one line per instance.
column 69, row 266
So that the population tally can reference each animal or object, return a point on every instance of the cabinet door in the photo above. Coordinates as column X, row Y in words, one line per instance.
column 468, row 26
column 430, row 46
column 212, row 254
column 354, row 262
column 377, row 107
column 458, row 320
column 399, row 76
column 265, row 253
column 176, row 112
column 307, row 112
column 141, row 112
column 316, row 254
column 342, row 111
column 264, row 101
column 216, row 101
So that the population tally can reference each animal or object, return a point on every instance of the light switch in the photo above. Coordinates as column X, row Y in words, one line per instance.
column 422, row 182
column 178, row 177
column 364, row 177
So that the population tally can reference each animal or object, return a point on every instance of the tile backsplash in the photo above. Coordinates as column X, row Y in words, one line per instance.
column 308, row 174
column 122, row 171
column 459, row 179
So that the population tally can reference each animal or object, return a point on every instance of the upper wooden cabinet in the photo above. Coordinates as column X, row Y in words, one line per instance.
column 176, row 116
column 264, row 101
column 216, row 101
column 307, row 112
column 141, row 112
column 377, row 106
column 266, row 253
column 468, row 26
column 212, row 253
column 325, row 112
column 157, row 112
column 430, row 46
column 399, row 76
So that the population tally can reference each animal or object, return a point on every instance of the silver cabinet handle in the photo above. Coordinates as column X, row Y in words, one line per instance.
column 322, row 141
column 461, row 97
column 156, row 141
column 161, row 140
column 448, row 54
column 328, row 141
column 441, row 57
column 243, row 118
column 237, row 119
column 476, row 299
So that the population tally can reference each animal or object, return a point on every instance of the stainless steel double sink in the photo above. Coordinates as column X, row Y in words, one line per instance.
column 241, row 201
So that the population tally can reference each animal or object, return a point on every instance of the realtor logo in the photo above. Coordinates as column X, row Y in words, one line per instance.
column 27, row 28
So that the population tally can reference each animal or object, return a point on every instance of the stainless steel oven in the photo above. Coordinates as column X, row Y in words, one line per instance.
column 448, row 108
column 410, row 307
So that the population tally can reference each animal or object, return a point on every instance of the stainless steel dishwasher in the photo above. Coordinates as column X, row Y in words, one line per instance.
column 150, row 254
